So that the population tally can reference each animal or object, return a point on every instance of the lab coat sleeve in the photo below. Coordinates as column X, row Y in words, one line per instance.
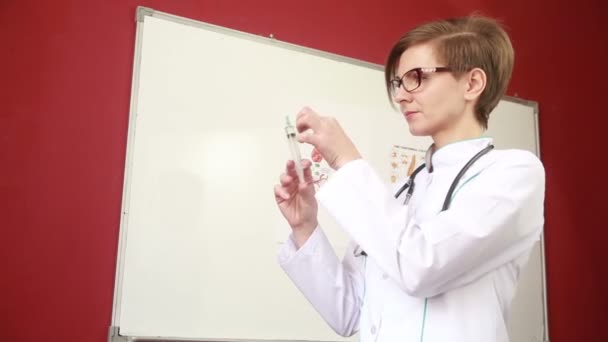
column 496, row 216
column 333, row 287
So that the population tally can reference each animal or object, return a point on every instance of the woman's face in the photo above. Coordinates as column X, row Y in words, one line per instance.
column 438, row 104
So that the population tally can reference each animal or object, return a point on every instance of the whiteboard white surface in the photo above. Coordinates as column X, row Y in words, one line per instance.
column 200, row 228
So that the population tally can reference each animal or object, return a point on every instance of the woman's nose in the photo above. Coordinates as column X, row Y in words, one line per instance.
column 401, row 95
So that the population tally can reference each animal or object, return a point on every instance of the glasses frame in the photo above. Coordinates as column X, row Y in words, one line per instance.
column 398, row 81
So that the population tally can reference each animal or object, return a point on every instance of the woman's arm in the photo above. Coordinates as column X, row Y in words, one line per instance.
column 495, row 217
column 333, row 287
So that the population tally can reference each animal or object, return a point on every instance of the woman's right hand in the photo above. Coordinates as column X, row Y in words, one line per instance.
column 297, row 201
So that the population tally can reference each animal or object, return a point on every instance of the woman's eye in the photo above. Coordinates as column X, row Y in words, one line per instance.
column 410, row 77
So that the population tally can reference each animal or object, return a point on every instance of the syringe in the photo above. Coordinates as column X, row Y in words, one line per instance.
column 293, row 147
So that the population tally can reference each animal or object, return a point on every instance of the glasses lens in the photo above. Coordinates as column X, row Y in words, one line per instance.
column 411, row 80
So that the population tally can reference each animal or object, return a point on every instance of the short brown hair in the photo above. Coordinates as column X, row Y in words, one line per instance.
column 463, row 44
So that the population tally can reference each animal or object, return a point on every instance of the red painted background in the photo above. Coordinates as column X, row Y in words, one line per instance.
column 64, row 100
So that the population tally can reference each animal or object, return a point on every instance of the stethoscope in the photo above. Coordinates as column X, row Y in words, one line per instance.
column 410, row 184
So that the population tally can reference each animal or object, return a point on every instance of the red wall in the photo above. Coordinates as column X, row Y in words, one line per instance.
column 65, row 90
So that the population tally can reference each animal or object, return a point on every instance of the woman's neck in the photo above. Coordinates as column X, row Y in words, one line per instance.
column 466, row 129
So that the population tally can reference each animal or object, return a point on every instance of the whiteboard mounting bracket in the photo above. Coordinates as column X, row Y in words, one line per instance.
column 142, row 12
column 114, row 335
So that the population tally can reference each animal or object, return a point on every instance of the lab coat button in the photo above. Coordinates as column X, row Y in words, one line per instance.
column 373, row 330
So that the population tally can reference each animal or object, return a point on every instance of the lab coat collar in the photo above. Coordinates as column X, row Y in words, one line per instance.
column 454, row 153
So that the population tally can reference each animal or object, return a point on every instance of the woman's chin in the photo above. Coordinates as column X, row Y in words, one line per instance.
column 418, row 131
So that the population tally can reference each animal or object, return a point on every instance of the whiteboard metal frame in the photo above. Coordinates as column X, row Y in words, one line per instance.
column 141, row 13
column 534, row 105
column 122, row 235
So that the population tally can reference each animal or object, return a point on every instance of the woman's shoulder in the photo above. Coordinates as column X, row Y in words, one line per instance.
column 514, row 159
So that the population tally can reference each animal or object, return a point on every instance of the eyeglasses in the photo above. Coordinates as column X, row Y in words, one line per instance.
column 412, row 79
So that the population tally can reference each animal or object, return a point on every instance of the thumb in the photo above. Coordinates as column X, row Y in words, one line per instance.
column 308, row 137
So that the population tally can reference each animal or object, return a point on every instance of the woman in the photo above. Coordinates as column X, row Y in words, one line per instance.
column 444, row 266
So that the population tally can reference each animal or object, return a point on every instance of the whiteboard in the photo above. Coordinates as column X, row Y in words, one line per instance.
column 200, row 229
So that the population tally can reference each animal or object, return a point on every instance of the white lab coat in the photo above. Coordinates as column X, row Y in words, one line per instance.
column 429, row 275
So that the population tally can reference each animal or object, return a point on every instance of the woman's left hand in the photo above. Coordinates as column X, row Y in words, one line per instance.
column 326, row 134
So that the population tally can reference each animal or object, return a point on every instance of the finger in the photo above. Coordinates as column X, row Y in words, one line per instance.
column 286, row 180
column 290, row 168
column 308, row 137
column 280, row 194
column 309, row 182
column 292, row 172
column 306, row 165
column 289, row 164
column 307, row 119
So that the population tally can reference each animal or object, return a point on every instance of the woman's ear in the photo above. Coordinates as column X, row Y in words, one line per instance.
column 475, row 84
